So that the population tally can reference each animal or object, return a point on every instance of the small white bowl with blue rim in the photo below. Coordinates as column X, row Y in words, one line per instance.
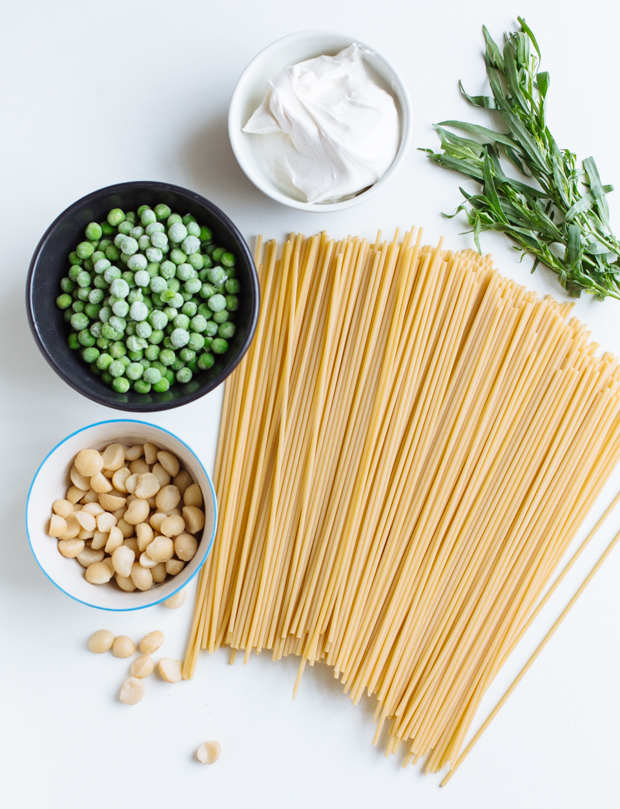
column 51, row 482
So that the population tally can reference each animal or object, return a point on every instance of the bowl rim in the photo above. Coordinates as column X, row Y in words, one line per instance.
column 136, row 407
column 211, row 540
column 270, row 191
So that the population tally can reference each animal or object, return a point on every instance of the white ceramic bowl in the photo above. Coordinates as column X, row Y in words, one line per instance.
column 251, row 89
column 51, row 482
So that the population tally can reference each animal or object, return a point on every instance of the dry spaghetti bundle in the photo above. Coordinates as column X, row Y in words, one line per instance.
column 405, row 455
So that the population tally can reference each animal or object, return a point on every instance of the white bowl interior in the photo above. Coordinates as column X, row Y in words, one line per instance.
column 51, row 483
column 251, row 89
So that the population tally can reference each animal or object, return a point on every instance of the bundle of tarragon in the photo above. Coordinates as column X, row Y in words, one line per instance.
column 558, row 213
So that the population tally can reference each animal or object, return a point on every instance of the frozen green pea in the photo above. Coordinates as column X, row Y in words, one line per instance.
column 198, row 323
column 227, row 330
column 193, row 229
column 104, row 361
column 106, row 377
column 103, row 343
column 177, row 364
column 116, row 368
column 154, row 227
column 158, row 284
column 128, row 277
column 91, row 310
column 96, row 296
column 125, row 360
column 159, row 240
column 64, row 301
column 185, row 272
column 83, row 279
column 218, row 253
column 106, row 228
column 138, row 311
column 167, row 356
column 135, row 356
column 73, row 342
column 205, row 234
column 140, row 386
column 143, row 329
column 96, row 256
column 74, row 259
column 184, row 375
column 168, row 374
column 158, row 319
column 187, row 354
column 206, row 361
column 119, row 239
column 144, row 242
column 130, row 329
column 162, row 211
column 156, row 337
column 118, row 349
column 196, row 261
column 207, row 291
column 148, row 217
column 153, row 268
column 112, row 252
column 219, row 346
column 178, row 301
column 204, row 310
column 81, row 294
column 217, row 303
column 129, row 246
column 173, row 219
column 111, row 274
column 74, row 271
column 105, row 313
column 193, row 286
column 220, row 317
column 152, row 375
column 96, row 328
column 84, row 250
column 118, row 322
column 232, row 286
column 178, row 256
column 119, row 288
column 120, row 384
column 216, row 275
column 79, row 321
column 170, row 312
column 211, row 329
column 125, row 228
column 100, row 282
column 174, row 284
column 101, row 265
column 228, row 260
column 142, row 278
column 90, row 354
column 152, row 353
column 67, row 285
column 168, row 270
column 179, row 337
column 77, row 306
column 190, row 244
column 188, row 218
column 161, row 386
column 196, row 341
column 181, row 322
column 136, row 232
column 120, row 308
column 134, row 371
column 154, row 254
column 109, row 332
column 168, row 295
column 143, row 208
column 232, row 303
column 85, row 338
column 137, row 262
column 176, row 233
column 145, row 363
column 189, row 308
column 135, row 295
column 115, row 217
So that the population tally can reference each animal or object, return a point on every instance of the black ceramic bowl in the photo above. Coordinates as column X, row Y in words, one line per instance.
column 49, row 264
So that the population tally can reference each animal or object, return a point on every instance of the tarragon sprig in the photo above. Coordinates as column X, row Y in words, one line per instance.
column 558, row 214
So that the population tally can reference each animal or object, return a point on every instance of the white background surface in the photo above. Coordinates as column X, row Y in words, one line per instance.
column 95, row 93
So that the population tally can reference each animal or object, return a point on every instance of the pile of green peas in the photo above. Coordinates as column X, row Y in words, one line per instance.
column 150, row 299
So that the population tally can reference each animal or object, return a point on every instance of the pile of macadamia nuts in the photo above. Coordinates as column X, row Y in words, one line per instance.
column 131, row 513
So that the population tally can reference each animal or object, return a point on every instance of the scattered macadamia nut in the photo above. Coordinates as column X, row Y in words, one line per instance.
column 170, row 669
column 142, row 666
column 101, row 641
column 150, row 643
column 123, row 646
column 209, row 752
column 177, row 600
column 121, row 517
column 132, row 691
